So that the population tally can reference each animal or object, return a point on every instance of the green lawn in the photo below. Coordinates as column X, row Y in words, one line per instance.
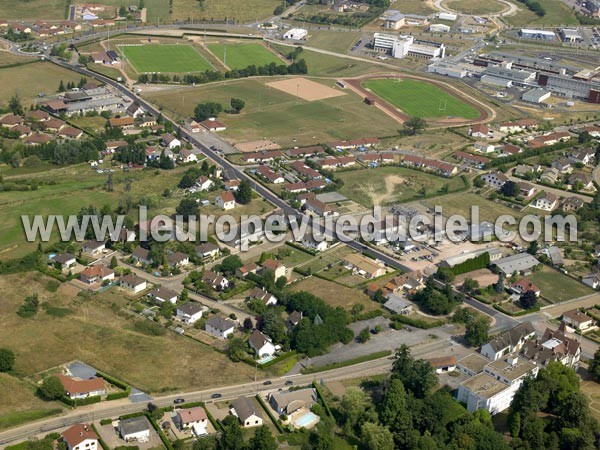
column 156, row 9
column 240, row 56
column 232, row 10
column 386, row 185
column 33, row 9
column 165, row 58
column 557, row 287
column 419, row 98
column 475, row 6
column 557, row 13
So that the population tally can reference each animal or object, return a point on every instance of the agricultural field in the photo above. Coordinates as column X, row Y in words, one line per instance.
column 8, row 59
column 475, row 7
column 281, row 117
column 165, row 58
column 557, row 13
column 335, row 294
column 419, row 98
column 240, row 56
column 420, row 7
column 385, row 185
column 91, row 330
column 557, row 287
column 29, row 80
column 218, row 10
column 33, row 9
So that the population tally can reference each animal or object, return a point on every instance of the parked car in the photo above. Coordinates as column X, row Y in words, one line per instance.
column 267, row 383
column 179, row 400
column 289, row 382
column 216, row 395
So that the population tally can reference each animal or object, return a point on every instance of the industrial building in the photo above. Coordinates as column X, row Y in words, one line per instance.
column 506, row 71
column 296, row 34
column 448, row 69
column 570, row 35
column 400, row 46
column 439, row 28
column 447, row 16
column 394, row 20
column 537, row 95
column 542, row 35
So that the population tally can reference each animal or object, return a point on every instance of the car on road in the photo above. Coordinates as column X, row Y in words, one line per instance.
column 179, row 400
column 216, row 395
column 289, row 382
column 267, row 383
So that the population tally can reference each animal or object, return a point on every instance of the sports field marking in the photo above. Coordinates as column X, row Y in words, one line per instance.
column 180, row 58
column 305, row 89
column 240, row 56
column 419, row 98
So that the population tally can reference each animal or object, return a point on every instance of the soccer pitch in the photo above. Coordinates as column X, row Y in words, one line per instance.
column 240, row 56
column 165, row 58
column 420, row 99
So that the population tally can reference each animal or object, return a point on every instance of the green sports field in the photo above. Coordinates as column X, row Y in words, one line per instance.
column 240, row 56
column 421, row 99
column 165, row 58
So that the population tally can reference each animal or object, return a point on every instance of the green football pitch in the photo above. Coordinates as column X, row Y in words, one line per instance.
column 240, row 56
column 420, row 99
column 165, row 58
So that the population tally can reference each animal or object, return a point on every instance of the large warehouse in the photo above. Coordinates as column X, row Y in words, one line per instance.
column 296, row 34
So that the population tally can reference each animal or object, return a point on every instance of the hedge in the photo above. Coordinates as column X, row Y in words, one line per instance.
column 476, row 263
column 131, row 415
column 302, row 248
column 268, row 411
column 100, row 440
column 81, row 401
column 517, row 314
column 106, row 421
column 114, row 381
column 118, row 395
column 322, row 398
column 280, row 358
column 191, row 405
column 418, row 323
column 166, row 442
column 218, row 425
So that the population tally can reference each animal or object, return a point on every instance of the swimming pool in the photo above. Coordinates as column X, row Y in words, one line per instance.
column 307, row 419
column 265, row 359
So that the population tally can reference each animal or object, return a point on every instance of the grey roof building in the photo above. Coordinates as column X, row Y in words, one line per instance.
column 520, row 263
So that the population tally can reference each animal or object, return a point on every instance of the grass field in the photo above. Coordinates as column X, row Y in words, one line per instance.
column 333, row 41
column 96, row 334
column 7, row 59
column 156, row 9
column 557, row 287
column 33, row 9
column 475, row 6
column 245, row 11
column 557, row 13
column 392, row 184
column 240, row 56
column 29, row 80
column 281, row 117
column 165, row 58
column 421, row 7
column 419, row 98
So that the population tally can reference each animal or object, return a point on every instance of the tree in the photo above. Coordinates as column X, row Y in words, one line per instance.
column 594, row 366
column 376, row 437
column 469, row 285
column 52, row 388
column 510, row 189
column 478, row 182
column 352, row 406
column 393, row 404
column 236, row 350
column 416, row 375
column 281, row 282
column 248, row 323
column 7, row 360
column 113, row 262
column 205, row 110
column 499, row 286
column 232, row 437
column 364, row 335
column 244, row 193
column 61, row 86
column 528, row 300
column 476, row 332
column 15, row 105
column 187, row 207
column 237, row 104
column 230, row 264
column 378, row 296
column 533, row 247
column 262, row 440
column 414, row 125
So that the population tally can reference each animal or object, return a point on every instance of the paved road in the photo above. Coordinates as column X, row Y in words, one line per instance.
column 558, row 192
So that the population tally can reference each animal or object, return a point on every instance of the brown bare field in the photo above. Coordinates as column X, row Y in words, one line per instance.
column 257, row 146
column 100, row 334
column 305, row 89
column 18, row 397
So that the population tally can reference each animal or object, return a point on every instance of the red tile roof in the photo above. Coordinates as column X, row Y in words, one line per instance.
column 78, row 433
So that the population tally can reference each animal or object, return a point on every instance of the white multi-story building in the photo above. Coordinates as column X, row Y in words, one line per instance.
column 401, row 46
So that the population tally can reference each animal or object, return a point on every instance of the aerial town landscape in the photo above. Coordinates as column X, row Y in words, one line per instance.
column 303, row 224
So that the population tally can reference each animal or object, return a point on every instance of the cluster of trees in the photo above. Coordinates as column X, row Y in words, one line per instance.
column 71, row 85
column 16, row 36
column 535, row 7
column 30, row 306
column 212, row 109
column 471, row 264
column 296, row 68
column 191, row 175
column 437, row 301
column 477, row 327
column 7, row 360
column 232, row 438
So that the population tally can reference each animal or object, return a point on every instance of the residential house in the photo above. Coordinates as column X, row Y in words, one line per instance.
column 547, row 202
column 309, row 241
column 207, row 250
column 162, row 295
column 187, row 156
column 525, row 285
column 193, row 126
column 319, row 208
column 66, row 260
column 276, row 267
column 96, row 274
column 592, row 280
column 431, row 165
column 510, row 150
column 578, row 320
column 293, row 319
column 261, row 157
column 53, row 125
column 269, row 174
column 135, row 429
column 246, row 410
column 190, row 313
column 571, row 204
column 305, row 171
column 443, row 364
column 369, row 268
column 398, row 304
column 11, row 120
column 264, row 296
column 194, row 419
column 204, row 183
column 178, row 259
column 526, row 190
column 170, row 141
column 77, row 388
column 124, row 123
column 549, row 139
column 480, row 131
column 563, row 165
column 225, row 200
column 473, row 160
column 80, row 436
column 219, row 327
column 554, row 345
column 37, row 115
column 584, row 156
column 22, row 131
column 232, row 185
column 305, row 151
column 583, row 180
column 215, row 280
column 243, row 271
column 484, row 147
column 291, row 401
column 494, row 179
column 518, row 126
column 508, row 342
column 550, row 176
column 93, row 247
column 141, row 255
column 261, row 344
column 212, row 124
column 135, row 110
column 133, row 283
